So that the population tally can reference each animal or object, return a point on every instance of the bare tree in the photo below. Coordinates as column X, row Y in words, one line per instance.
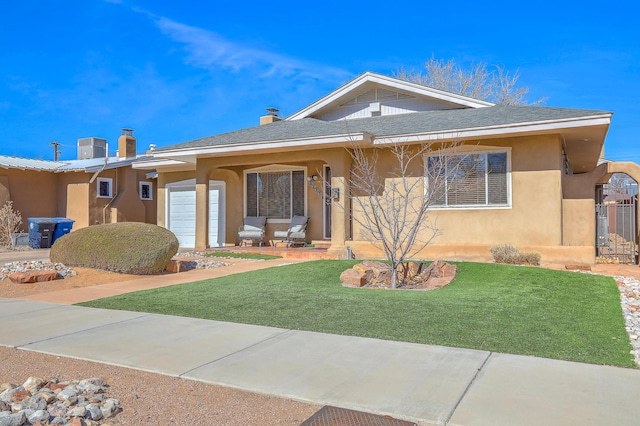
column 620, row 183
column 10, row 222
column 391, row 192
column 493, row 84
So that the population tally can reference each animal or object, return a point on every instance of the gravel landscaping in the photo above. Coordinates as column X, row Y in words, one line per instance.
column 154, row 399
column 630, row 302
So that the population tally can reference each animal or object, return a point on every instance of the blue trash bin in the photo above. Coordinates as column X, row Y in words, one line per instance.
column 40, row 232
column 63, row 227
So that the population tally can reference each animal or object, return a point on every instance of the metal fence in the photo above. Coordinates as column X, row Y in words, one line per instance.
column 616, row 230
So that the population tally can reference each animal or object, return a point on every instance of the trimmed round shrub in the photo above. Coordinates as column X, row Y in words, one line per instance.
column 128, row 248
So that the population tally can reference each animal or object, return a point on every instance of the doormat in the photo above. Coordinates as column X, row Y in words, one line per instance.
column 334, row 416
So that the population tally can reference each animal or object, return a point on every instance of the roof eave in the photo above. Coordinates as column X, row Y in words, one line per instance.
column 338, row 140
column 545, row 126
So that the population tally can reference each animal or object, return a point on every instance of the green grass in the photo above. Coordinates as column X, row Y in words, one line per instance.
column 232, row 255
column 502, row 308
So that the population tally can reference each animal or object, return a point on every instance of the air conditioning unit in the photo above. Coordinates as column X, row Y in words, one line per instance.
column 92, row 148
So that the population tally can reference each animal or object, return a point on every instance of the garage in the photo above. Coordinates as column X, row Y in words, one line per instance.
column 181, row 212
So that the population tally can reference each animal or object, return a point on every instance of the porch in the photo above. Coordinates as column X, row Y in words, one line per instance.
column 311, row 253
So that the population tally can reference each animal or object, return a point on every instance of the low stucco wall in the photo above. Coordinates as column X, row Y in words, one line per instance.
column 480, row 252
column 578, row 222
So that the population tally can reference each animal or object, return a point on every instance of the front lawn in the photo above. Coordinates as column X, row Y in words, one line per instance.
column 502, row 308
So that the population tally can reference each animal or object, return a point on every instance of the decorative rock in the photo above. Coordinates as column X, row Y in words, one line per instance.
column 381, row 271
column 97, row 398
column 110, row 407
column 34, row 403
column 77, row 412
column 33, row 276
column 96, row 381
column 32, row 382
column 39, row 416
column 413, row 275
column 19, row 394
column 70, row 406
column 368, row 273
column 7, row 395
column 5, row 386
column 576, row 267
column 94, row 412
column 16, row 419
column 413, row 269
column 22, row 266
column 629, row 301
column 48, row 396
column 173, row 266
column 353, row 278
column 57, row 387
column 68, row 396
column 438, row 274
column 57, row 410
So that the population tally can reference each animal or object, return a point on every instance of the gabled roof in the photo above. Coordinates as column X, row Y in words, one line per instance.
column 370, row 80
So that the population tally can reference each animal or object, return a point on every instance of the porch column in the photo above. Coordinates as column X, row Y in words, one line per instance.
column 161, row 200
column 341, row 208
column 202, row 207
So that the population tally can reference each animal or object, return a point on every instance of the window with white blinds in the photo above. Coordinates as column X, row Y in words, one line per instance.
column 468, row 180
column 276, row 195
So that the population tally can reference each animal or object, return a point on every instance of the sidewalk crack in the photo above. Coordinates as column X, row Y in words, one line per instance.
column 82, row 331
column 466, row 390
column 236, row 352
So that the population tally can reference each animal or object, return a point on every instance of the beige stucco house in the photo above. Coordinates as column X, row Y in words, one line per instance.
column 548, row 162
column 91, row 190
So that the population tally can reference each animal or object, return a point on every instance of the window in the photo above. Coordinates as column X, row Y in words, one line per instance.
column 146, row 191
column 469, row 180
column 104, row 188
column 276, row 195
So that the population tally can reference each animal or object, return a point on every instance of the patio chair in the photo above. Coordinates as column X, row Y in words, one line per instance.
column 252, row 230
column 291, row 236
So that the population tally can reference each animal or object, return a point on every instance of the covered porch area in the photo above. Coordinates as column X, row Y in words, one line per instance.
column 311, row 253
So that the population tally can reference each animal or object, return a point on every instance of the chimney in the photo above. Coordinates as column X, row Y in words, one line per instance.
column 92, row 148
column 126, row 144
column 271, row 117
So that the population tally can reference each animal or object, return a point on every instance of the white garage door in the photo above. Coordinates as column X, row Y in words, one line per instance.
column 216, row 214
column 182, row 214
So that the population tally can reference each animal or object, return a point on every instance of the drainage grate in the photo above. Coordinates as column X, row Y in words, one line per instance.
column 334, row 416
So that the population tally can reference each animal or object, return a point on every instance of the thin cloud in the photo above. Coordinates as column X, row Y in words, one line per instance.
column 209, row 50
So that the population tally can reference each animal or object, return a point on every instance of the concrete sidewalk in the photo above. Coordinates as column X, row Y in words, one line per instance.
column 423, row 383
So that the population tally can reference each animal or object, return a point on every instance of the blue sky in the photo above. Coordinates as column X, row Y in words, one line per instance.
column 176, row 71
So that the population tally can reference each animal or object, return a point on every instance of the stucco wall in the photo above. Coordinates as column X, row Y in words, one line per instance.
column 537, row 219
column 127, row 205
column 535, row 215
column 48, row 194
column 579, row 226
column 33, row 193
